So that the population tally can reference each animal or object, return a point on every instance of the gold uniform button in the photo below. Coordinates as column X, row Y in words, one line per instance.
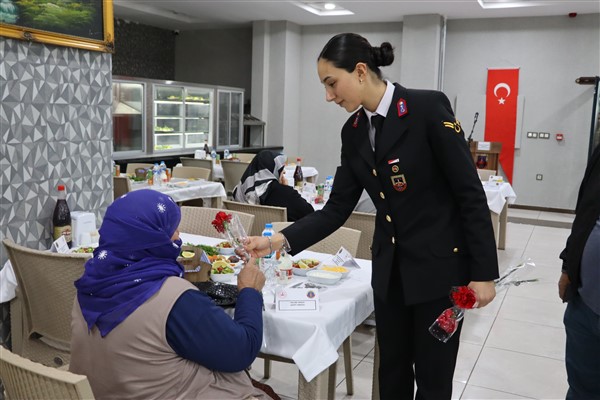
column 393, row 240
column 374, row 172
column 455, row 250
column 382, row 195
column 388, row 218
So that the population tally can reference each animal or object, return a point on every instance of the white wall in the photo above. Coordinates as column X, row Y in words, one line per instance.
column 551, row 53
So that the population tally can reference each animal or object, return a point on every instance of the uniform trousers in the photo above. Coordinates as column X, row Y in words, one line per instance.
column 408, row 352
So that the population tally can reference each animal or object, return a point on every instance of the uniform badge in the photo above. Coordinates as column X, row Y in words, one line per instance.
column 399, row 182
column 453, row 125
column 395, row 169
column 355, row 123
column 394, row 161
column 402, row 108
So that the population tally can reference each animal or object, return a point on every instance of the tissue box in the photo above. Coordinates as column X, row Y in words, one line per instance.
column 82, row 223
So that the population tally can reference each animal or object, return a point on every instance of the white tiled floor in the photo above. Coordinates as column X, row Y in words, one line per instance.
column 511, row 349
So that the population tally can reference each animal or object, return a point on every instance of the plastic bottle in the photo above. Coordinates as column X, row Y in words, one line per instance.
column 269, row 262
column 298, row 176
column 156, row 175
column 328, row 187
column 268, row 231
column 61, row 218
column 213, row 155
column 226, row 154
column 164, row 178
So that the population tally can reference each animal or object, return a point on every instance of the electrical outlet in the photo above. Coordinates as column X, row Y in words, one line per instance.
column 532, row 135
column 544, row 135
column 539, row 177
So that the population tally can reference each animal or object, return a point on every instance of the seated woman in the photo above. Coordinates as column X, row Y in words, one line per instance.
column 264, row 183
column 141, row 331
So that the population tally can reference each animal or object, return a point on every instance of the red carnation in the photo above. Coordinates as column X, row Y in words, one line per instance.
column 463, row 297
column 221, row 220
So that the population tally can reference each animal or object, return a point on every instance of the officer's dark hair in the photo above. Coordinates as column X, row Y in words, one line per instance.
column 347, row 49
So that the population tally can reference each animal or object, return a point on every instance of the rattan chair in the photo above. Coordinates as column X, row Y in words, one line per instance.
column 46, row 293
column 232, row 173
column 25, row 379
column 365, row 223
column 197, row 220
column 346, row 237
column 191, row 172
column 131, row 167
column 484, row 174
column 262, row 214
column 198, row 162
column 121, row 185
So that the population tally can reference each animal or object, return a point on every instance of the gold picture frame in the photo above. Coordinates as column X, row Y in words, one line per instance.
column 35, row 34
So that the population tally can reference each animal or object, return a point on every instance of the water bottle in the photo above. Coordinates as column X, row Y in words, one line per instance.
column 268, row 231
column 269, row 263
column 156, row 181
column 213, row 155
column 328, row 187
column 163, row 173
column 226, row 154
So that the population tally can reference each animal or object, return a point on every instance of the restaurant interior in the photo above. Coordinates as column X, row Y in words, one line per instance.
column 203, row 87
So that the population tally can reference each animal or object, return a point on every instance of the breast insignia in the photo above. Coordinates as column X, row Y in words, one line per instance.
column 399, row 182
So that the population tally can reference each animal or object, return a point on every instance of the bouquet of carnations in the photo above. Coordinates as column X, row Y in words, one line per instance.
column 464, row 298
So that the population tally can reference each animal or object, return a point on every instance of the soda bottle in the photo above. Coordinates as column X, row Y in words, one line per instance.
column 298, row 176
column 61, row 219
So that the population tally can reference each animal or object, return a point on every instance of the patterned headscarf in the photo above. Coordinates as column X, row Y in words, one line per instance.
column 135, row 256
column 264, row 168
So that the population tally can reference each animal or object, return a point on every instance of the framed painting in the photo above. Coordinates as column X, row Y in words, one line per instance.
column 85, row 24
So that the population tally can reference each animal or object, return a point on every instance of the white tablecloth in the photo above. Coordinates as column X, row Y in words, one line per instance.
column 199, row 189
column 497, row 195
column 312, row 339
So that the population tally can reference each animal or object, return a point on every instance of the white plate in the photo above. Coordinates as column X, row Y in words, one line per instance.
column 324, row 277
column 344, row 274
column 221, row 277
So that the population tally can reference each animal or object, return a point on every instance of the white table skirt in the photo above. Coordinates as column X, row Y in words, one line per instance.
column 199, row 189
column 312, row 339
column 498, row 195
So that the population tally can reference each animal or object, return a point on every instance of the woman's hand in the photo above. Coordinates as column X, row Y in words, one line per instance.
column 251, row 276
column 484, row 291
column 282, row 179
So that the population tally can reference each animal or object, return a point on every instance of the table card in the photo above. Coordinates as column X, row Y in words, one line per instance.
column 60, row 245
column 343, row 258
column 296, row 299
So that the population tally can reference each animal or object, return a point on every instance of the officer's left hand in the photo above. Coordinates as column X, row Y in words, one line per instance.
column 484, row 291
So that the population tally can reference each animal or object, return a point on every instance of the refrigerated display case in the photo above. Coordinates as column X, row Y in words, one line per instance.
column 128, row 118
column 179, row 117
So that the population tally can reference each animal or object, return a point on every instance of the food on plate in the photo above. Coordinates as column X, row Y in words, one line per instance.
column 187, row 254
column 224, row 245
column 305, row 263
column 334, row 268
column 84, row 249
column 234, row 259
column 221, row 267
column 209, row 250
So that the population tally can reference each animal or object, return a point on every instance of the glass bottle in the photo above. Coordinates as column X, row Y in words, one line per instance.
column 298, row 176
column 61, row 218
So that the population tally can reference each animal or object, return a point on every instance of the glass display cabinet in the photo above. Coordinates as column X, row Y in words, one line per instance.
column 172, row 118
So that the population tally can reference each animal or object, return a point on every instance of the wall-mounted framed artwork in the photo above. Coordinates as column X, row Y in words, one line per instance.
column 85, row 24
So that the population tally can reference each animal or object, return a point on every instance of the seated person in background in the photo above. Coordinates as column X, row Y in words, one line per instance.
column 365, row 204
column 264, row 183
column 141, row 331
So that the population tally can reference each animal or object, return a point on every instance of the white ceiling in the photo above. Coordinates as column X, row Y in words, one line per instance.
column 205, row 14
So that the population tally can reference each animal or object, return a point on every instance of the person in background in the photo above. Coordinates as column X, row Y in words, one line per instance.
column 264, row 183
column 141, row 331
column 433, row 227
column 579, row 285
column 365, row 204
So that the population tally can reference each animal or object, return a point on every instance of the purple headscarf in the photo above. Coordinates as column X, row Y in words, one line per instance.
column 135, row 256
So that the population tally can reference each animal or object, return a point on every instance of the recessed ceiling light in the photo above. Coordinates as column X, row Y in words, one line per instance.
column 323, row 9
column 488, row 4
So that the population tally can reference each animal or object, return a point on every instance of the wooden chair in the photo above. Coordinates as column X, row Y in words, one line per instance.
column 484, row 174
column 245, row 157
column 197, row 220
column 347, row 237
column 121, row 185
column 262, row 214
column 198, row 162
column 191, row 172
column 232, row 173
column 46, row 293
column 131, row 167
column 25, row 379
column 364, row 222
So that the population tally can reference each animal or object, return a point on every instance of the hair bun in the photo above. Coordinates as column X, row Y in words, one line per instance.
column 383, row 55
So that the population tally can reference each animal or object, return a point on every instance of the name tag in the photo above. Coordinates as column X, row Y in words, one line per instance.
column 296, row 299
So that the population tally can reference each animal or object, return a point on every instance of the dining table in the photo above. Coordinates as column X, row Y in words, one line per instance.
column 310, row 339
column 189, row 189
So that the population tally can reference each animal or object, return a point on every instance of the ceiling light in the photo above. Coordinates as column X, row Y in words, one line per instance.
column 490, row 4
column 323, row 9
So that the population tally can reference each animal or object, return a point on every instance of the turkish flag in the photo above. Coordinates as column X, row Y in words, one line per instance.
column 501, row 114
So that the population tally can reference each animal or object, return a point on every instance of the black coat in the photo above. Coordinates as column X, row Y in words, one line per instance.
column 586, row 214
column 286, row 196
column 432, row 213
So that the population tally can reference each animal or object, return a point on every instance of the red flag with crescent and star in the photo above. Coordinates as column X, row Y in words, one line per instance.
column 501, row 113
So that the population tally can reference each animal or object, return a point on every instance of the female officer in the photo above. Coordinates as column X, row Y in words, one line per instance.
column 433, row 228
